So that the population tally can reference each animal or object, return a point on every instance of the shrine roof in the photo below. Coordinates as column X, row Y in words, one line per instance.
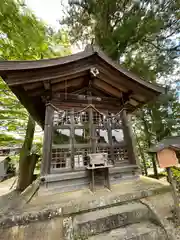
column 31, row 81
column 168, row 142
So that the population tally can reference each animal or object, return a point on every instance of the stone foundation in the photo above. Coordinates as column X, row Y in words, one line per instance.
column 45, row 230
column 77, row 180
column 85, row 215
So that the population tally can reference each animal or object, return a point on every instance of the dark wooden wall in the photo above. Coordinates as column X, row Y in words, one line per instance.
column 65, row 150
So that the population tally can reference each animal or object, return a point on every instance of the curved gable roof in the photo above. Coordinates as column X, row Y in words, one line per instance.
column 28, row 79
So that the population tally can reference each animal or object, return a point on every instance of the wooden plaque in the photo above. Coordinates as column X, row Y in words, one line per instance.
column 167, row 158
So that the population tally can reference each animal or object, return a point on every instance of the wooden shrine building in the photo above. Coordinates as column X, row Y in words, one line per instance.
column 83, row 103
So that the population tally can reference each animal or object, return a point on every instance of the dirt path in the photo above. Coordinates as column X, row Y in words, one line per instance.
column 6, row 185
column 7, row 194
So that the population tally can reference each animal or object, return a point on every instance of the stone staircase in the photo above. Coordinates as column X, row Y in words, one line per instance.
column 131, row 220
column 137, row 231
column 137, row 209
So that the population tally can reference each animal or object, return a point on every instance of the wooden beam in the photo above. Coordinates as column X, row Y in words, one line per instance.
column 72, row 75
column 60, row 97
column 36, row 92
column 47, row 85
column 138, row 97
column 107, row 88
column 108, row 80
column 47, row 144
column 125, row 97
column 98, row 92
column 94, row 91
column 133, row 102
column 125, row 82
column 63, row 86
column 55, row 74
column 66, row 84
column 86, row 102
column 32, row 86
column 80, row 106
column 79, row 91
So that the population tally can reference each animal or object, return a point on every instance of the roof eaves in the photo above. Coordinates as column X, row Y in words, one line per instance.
column 168, row 142
column 152, row 86
column 17, row 65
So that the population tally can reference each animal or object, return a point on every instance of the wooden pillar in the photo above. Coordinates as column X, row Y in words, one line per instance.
column 72, row 129
column 92, row 131
column 110, row 141
column 47, row 144
column 128, row 137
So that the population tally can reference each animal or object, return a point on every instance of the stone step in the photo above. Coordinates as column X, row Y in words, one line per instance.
column 103, row 220
column 138, row 231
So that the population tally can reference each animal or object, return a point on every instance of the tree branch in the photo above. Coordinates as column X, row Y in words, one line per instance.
column 176, row 48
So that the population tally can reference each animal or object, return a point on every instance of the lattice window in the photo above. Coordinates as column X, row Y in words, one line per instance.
column 115, row 120
column 97, row 118
column 103, row 127
column 81, row 117
column 120, row 155
column 77, row 118
column 81, row 158
column 61, row 158
column 63, row 117
column 84, row 117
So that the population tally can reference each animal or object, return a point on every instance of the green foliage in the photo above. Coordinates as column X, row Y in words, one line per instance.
column 144, row 36
column 176, row 173
column 127, row 28
column 176, row 176
column 156, row 121
column 13, row 116
column 59, row 138
column 11, row 167
column 22, row 37
column 25, row 37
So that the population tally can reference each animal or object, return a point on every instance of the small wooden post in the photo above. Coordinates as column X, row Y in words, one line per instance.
column 174, row 194
column 128, row 137
column 47, row 144
column 167, row 158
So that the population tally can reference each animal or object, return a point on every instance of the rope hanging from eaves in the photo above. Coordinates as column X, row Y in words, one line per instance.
column 87, row 107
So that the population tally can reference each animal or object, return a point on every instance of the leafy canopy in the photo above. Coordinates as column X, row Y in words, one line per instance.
column 129, row 29
column 22, row 37
column 144, row 36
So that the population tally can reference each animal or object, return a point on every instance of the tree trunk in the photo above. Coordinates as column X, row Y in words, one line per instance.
column 32, row 160
column 24, row 160
column 148, row 137
column 141, row 153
